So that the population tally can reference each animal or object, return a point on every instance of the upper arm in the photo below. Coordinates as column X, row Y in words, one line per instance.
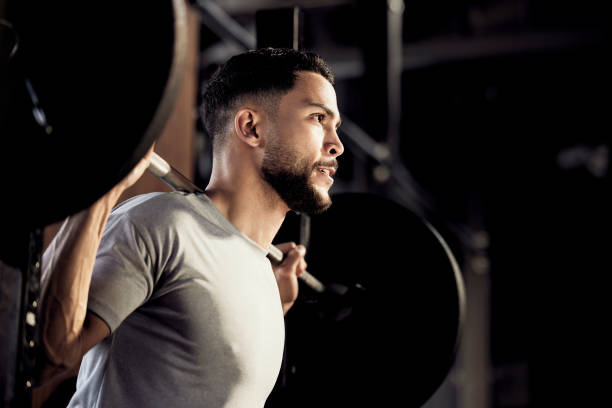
column 94, row 331
column 123, row 279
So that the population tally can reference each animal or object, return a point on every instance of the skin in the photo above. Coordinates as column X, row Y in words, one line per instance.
column 237, row 186
column 304, row 126
column 68, row 329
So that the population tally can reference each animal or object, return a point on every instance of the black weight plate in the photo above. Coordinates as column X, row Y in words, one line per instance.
column 393, row 342
column 106, row 75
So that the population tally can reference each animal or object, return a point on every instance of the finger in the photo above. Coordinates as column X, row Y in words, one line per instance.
column 150, row 152
column 285, row 247
column 143, row 163
column 293, row 259
column 298, row 252
column 301, row 268
column 138, row 170
column 146, row 159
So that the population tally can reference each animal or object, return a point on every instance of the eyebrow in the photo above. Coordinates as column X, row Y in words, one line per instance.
column 326, row 109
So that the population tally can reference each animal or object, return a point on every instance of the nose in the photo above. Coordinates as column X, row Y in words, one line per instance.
column 333, row 146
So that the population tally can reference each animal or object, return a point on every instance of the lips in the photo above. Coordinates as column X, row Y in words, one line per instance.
column 328, row 171
column 327, row 167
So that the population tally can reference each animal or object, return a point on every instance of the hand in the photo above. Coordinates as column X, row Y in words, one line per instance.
column 137, row 172
column 288, row 271
column 110, row 199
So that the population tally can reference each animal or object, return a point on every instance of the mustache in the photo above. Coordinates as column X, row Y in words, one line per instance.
column 333, row 163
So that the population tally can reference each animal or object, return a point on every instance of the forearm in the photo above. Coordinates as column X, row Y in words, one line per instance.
column 287, row 306
column 66, row 282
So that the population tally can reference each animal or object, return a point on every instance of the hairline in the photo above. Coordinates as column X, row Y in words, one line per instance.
column 270, row 107
column 277, row 94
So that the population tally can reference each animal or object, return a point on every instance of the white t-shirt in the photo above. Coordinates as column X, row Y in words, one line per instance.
column 193, row 307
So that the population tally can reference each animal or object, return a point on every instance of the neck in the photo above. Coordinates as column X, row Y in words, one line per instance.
column 247, row 201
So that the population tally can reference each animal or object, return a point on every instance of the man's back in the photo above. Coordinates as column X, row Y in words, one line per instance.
column 193, row 307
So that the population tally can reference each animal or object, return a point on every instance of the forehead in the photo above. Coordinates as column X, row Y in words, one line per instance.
column 310, row 87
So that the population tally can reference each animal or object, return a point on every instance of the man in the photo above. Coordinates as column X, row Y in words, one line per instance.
column 183, row 307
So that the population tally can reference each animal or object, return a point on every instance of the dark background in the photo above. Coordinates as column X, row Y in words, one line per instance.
column 498, row 128
column 505, row 128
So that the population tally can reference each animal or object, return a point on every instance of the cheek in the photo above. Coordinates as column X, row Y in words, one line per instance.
column 310, row 141
column 304, row 138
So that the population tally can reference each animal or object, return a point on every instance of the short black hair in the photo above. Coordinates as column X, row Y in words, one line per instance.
column 264, row 73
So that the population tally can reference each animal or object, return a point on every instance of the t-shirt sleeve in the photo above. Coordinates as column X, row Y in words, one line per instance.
column 123, row 276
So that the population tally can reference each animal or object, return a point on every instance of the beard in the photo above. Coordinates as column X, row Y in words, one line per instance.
column 290, row 177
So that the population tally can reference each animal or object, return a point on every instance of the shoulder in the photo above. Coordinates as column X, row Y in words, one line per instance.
column 149, row 201
column 147, row 214
column 163, row 214
column 152, row 207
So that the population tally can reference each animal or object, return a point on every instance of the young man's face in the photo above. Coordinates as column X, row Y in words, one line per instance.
column 300, row 155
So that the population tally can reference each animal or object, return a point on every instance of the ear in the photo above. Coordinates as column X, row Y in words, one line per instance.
column 245, row 126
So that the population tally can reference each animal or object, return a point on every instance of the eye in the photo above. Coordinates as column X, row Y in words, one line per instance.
column 319, row 117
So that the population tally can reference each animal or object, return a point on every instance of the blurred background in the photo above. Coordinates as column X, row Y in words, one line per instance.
column 490, row 119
